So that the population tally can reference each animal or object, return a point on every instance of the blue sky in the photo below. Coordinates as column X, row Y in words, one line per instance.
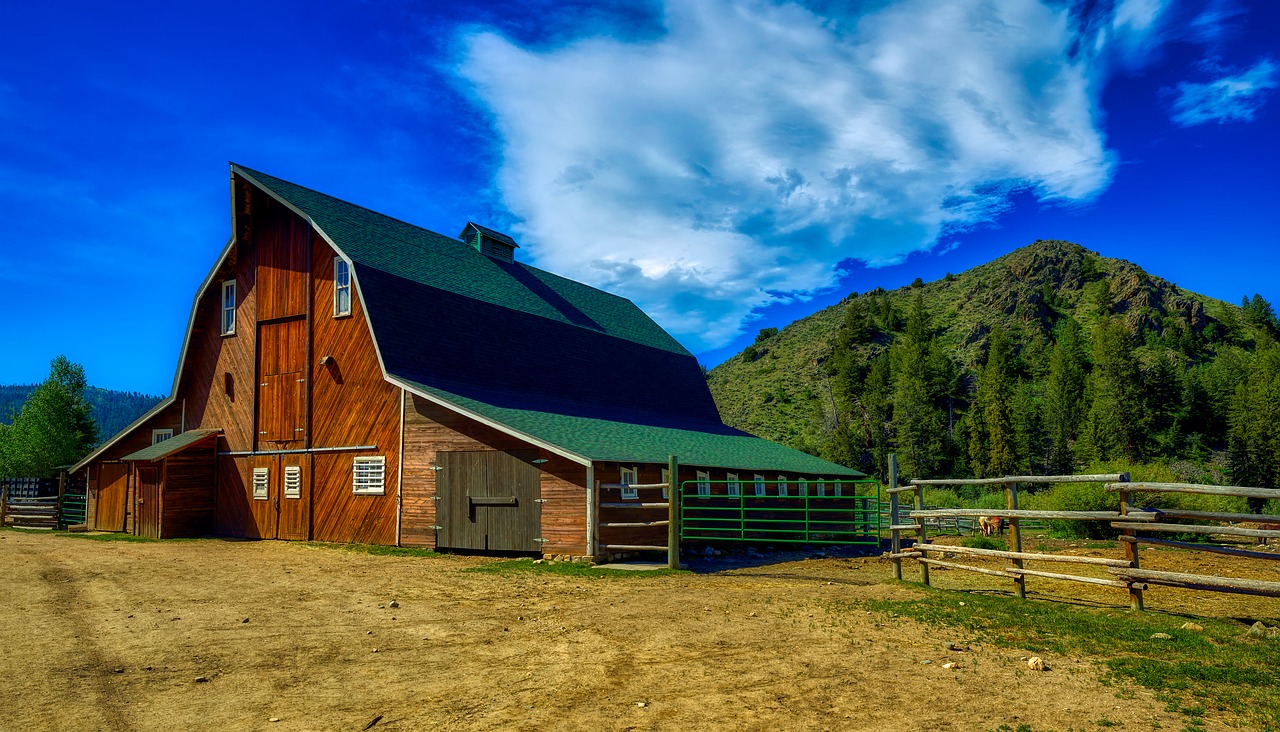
column 727, row 165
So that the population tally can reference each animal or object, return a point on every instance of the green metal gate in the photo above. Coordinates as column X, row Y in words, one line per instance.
column 842, row 512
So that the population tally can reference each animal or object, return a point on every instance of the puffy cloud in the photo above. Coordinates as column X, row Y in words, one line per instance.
column 738, row 158
column 1231, row 98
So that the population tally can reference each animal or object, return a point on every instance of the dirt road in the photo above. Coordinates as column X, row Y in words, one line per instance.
column 117, row 636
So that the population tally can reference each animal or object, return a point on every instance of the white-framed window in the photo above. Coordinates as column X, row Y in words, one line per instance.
column 704, row 484
column 759, row 485
column 804, row 487
column 822, row 487
column 782, row 485
column 229, row 307
column 629, row 479
column 839, row 487
column 293, row 481
column 158, row 436
column 735, row 488
column 341, row 287
column 261, row 481
column 369, row 475
column 666, row 484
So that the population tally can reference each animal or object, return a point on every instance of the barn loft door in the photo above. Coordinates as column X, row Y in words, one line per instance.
column 281, row 385
column 149, row 502
column 489, row 501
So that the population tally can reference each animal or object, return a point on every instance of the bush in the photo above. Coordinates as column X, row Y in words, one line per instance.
column 984, row 542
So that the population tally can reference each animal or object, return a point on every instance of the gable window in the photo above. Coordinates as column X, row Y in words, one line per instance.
column 293, row 481
column 369, row 475
column 229, row 307
column 704, row 484
column 735, row 488
column 628, row 480
column 261, row 479
column 759, row 484
column 158, row 436
column 782, row 485
column 341, row 287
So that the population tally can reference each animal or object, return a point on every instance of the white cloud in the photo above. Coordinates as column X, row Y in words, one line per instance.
column 1233, row 98
column 738, row 158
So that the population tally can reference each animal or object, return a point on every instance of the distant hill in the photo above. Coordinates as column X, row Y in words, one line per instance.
column 807, row 385
column 113, row 410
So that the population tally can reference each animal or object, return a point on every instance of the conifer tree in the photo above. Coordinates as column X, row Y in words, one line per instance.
column 1254, row 432
column 1109, row 430
column 1064, row 397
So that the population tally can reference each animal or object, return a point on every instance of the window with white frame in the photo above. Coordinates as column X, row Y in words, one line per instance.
column 229, row 307
column 822, row 487
column 804, row 487
column 629, row 479
column 666, row 484
column 158, row 436
column 839, row 488
column 759, row 484
column 782, row 485
column 735, row 488
column 293, row 481
column 261, row 482
column 341, row 287
column 369, row 475
column 704, row 484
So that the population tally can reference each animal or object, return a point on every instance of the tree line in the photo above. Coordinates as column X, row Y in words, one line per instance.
column 1057, row 401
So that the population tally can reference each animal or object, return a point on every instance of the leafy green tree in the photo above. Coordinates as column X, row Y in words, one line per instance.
column 1064, row 405
column 54, row 426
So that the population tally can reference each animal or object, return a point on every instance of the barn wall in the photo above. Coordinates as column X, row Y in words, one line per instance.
column 189, row 485
column 351, row 405
column 430, row 428
column 168, row 418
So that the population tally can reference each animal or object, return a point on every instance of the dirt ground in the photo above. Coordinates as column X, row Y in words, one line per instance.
column 118, row 636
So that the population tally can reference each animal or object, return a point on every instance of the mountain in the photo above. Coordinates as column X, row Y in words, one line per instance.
column 807, row 385
column 112, row 410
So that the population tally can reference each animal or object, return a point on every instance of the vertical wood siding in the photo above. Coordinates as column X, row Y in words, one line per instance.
column 189, row 486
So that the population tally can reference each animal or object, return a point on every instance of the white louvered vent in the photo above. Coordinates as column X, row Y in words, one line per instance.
column 369, row 475
column 293, row 481
column 261, row 480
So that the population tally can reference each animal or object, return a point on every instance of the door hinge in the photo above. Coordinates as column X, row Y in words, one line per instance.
column 436, row 498
column 299, row 429
column 263, row 384
column 540, row 500
column 436, row 467
column 263, row 432
column 437, row 527
column 301, row 380
column 541, row 540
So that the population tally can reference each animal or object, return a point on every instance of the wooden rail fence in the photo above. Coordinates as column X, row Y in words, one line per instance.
column 1131, row 521
column 42, row 503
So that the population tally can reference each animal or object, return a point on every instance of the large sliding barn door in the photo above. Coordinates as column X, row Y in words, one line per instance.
column 489, row 501
column 282, row 354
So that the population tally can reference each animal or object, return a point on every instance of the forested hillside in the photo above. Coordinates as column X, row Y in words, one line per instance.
column 112, row 410
column 1045, row 360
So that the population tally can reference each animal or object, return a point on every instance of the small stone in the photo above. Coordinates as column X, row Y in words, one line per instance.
column 201, row 679
column 1036, row 663
column 1258, row 629
column 956, row 647
column 642, row 704
column 706, row 609
column 245, row 620
column 539, row 561
column 393, row 604
column 376, row 650
column 1195, row 627
column 752, row 615
column 961, row 604
column 925, row 662
column 950, row 665
column 274, row 719
column 119, row 671
column 1161, row 636
column 369, row 633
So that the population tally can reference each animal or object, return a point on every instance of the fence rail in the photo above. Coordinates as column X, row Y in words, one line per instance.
column 1128, row 519
column 42, row 503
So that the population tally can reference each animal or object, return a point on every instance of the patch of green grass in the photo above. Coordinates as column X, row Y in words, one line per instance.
column 984, row 542
column 566, row 569
column 1220, row 669
column 376, row 549
column 87, row 537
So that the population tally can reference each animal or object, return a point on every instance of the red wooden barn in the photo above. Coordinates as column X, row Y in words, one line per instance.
column 348, row 377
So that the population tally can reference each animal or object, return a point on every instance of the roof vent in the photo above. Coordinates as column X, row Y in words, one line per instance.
column 490, row 243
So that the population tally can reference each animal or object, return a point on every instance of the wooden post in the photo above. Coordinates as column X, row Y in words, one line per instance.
column 593, row 519
column 895, row 543
column 1015, row 537
column 62, row 490
column 1130, row 551
column 920, row 537
column 4, row 500
column 673, row 513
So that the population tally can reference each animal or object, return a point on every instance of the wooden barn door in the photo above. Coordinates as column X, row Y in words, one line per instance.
column 294, row 497
column 264, row 496
column 282, row 385
column 109, row 504
column 149, row 502
column 489, row 501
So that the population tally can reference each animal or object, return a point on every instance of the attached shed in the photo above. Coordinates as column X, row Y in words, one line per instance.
column 175, row 483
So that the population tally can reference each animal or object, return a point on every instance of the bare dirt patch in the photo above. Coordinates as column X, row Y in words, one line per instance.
column 114, row 635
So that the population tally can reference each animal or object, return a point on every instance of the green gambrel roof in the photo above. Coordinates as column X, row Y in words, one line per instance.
column 604, row 440
column 425, row 257
column 165, row 448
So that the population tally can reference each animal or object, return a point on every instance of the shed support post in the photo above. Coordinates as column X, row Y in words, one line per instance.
column 673, row 513
column 4, row 500
column 920, row 534
column 1015, row 537
column 895, row 541
column 62, row 491
column 593, row 514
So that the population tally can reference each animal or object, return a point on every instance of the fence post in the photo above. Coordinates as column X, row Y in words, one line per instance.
column 4, row 500
column 920, row 537
column 673, row 513
column 1130, row 547
column 1015, row 537
column 895, row 542
column 62, row 492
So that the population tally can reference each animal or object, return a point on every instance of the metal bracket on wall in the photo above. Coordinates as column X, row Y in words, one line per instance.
column 435, row 467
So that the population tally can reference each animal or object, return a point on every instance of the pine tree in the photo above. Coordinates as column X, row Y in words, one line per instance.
column 991, row 435
column 1064, row 397
column 918, row 423
column 1254, row 432
column 53, row 428
column 1110, row 430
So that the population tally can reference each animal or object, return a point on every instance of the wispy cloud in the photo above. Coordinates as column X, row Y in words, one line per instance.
column 1231, row 98
column 737, row 158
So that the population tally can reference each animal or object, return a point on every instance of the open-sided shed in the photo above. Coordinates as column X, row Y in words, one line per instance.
column 174, row 485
